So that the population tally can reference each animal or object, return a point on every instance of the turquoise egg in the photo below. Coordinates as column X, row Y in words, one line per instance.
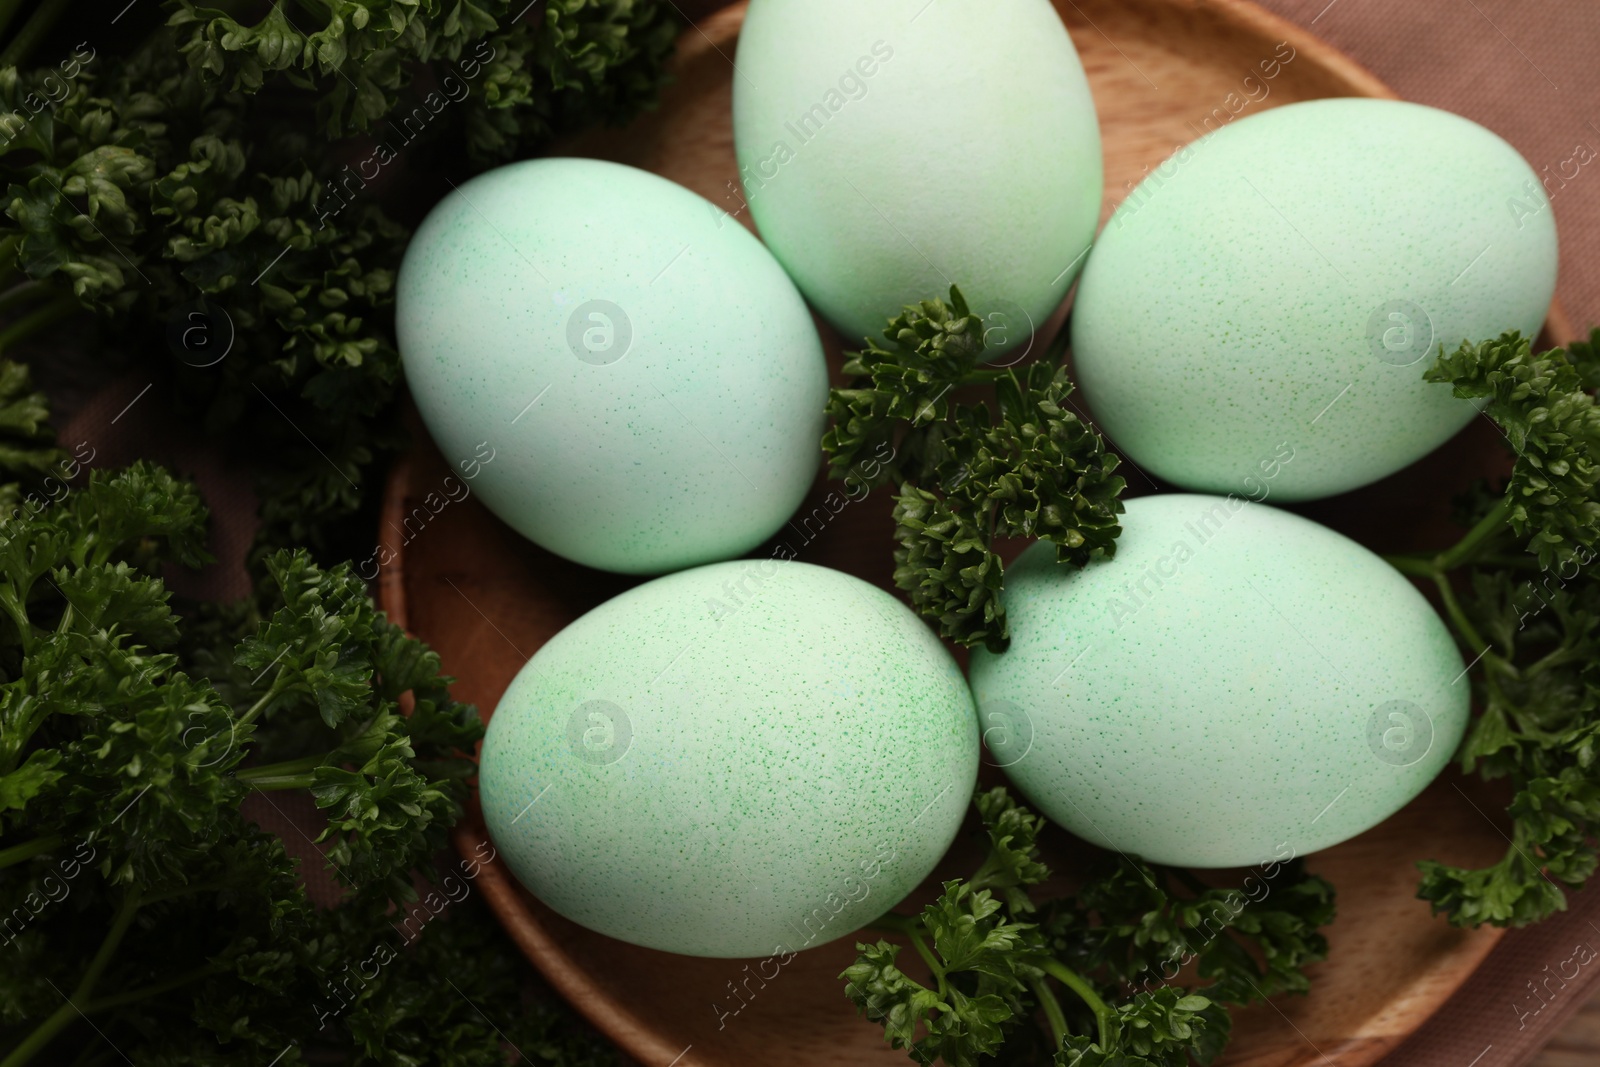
column 892, row 148
column 744, row 759
column 627, row 377
column 1288, row 279
column 1239, row 685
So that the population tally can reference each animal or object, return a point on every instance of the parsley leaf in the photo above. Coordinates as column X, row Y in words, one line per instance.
column 996, row 962
column 1522, row 592
column 216, row 159
column 1020, row 465
column 27, row 444
column 132, row 882
column 1545, row 407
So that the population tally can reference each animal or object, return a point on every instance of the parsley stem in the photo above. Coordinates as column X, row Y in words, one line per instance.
column 992, row 875
column 14, row 606
column 271, row 783
column 928, row 958
column 183, row 891
column 28, row 849
column 283, row 769
column 119, row 929
column 1069, row 978
column 1414, row 566
column 1554, row 658
column 1437, row 572
column 1512, row 563
column 41, row 1036
column 907, row 926
column 44, row 16
column 274, row 691
column 890, row 922
column 76, row 1004
column 40, row 318
column 146, row 992
column 1486, row 527
column 1458, row 617
column 8, row 11
column 1052, row 1011
column 21, row 293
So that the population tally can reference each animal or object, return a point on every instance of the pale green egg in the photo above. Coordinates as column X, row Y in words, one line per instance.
column 1238, row 685
column 623, row 375
column 1288, row 278
column 743, row 759
column 892, row 148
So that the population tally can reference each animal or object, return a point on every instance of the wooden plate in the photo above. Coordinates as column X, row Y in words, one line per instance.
column 486, row 600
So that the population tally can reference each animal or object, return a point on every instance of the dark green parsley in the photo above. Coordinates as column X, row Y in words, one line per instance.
column 134, row 892
column 966, row 473
column 1090, row 979
column 28, row 452
column 1522, row 592
column 258, row 162
column 235, row 174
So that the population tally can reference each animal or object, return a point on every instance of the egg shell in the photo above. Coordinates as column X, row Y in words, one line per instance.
column 623, row 375
column 1236, row 686
column 890, row 149
column 1287, row 279
column 742, row 759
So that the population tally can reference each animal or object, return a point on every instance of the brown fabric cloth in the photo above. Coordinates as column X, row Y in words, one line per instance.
column 1530, row 73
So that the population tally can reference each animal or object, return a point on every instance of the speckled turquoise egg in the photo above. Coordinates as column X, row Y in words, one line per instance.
column 645, row 382
column 1238, row 685
column 1286, row 279
column 745, row 759
column 889, row 149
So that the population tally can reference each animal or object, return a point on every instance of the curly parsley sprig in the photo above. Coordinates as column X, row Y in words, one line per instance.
column 557, row 64
column 1000, row 964
column 1522, row 592
column 1019, row 465
column 240, row 159
column 134, row 890
column 28, row 452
